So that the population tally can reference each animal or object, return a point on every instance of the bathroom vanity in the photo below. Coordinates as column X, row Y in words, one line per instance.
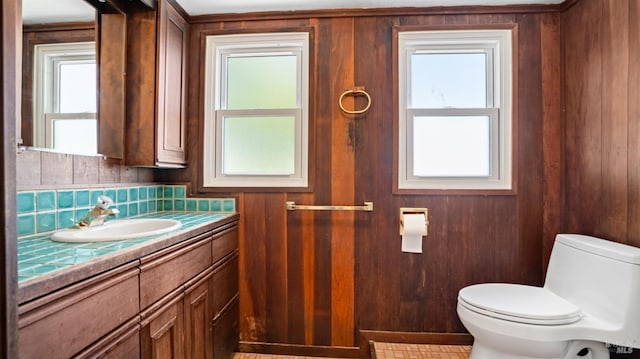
column 176, row 296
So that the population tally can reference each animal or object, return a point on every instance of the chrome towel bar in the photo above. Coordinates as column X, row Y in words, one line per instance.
column 292, row 206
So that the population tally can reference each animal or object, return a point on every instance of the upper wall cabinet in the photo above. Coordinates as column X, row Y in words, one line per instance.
column 157, row 42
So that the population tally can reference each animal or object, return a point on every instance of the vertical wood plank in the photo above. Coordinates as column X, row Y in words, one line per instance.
column 309, row 274
column 275, row 238
column 583, row 117
column 528, row 144
column 253, row 268
column 615, row 60
column 322, row 296
column 551, row 133
column 10, row 23
column 342, row 183
column 300, row 272
column 633, row 228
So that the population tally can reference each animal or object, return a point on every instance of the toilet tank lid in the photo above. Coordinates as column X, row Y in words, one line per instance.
column 599, row 246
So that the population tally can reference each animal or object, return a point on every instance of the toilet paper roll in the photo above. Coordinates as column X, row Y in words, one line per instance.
column 415, row 226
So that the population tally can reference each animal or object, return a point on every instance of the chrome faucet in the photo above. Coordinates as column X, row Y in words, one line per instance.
column 99, row 213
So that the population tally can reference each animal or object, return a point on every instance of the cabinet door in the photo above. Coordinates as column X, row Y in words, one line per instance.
column 225, row 282
column 198, row 315
column 171, row 87
column 225, row 332
column 112, row 65
column 162, row 333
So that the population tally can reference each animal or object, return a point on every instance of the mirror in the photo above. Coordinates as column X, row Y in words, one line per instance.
column 62, row 69
column 59, row 76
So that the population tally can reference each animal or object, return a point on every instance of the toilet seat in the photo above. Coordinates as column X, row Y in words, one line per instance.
column 519, row 303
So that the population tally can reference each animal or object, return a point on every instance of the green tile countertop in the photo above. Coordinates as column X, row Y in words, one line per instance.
column 45, row 265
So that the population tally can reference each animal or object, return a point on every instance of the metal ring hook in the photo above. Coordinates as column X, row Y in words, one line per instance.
column 355, row 92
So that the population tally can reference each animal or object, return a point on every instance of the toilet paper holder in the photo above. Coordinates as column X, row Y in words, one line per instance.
column 409, row 210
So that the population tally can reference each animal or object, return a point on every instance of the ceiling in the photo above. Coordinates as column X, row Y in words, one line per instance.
column 201, row 7
column 41, row 11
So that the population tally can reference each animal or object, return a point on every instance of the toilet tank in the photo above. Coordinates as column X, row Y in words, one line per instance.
column 599, row 276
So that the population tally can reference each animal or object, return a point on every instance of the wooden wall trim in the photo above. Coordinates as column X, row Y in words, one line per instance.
column 300, row 350
column 396, row 11
column 414, row 337
column 363, row 350
column 10, row 41
column 64, row 26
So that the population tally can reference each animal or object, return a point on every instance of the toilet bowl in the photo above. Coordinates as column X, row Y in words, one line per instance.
column 588, row 299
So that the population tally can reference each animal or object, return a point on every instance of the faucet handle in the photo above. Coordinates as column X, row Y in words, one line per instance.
column 104, row 202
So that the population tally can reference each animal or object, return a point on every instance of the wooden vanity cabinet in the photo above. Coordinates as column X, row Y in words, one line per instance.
column 157, row 45
column 189, row 298
column 178, row 302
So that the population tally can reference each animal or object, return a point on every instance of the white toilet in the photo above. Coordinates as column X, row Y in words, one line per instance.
column 591, row 296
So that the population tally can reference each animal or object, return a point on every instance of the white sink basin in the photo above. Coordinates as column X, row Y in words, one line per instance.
column 117, row 230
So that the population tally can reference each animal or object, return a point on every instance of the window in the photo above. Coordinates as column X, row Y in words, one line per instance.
column 256, row 110
column 65, row 102
column 455, row 110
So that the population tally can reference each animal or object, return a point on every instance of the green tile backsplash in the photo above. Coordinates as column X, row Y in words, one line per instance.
column 65, row 199
column 26, row 202
column 45, row 200
column 46, row 211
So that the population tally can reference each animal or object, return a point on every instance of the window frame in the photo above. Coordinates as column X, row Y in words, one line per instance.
column 500, row 43
column 222, row 46
column 46, row 80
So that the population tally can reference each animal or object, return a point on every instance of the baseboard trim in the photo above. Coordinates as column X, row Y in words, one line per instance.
column 300, row 350
column 367, row 336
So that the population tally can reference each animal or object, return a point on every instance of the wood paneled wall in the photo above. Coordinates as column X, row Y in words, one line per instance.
column 323, row 279
column 601, row 42
column 37, row 169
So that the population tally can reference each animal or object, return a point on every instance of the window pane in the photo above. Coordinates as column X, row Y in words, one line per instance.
column 258, row 145
column 457, row 80
column 77, row 87
column 451, row 146
column 255, row 82
column 75, row 136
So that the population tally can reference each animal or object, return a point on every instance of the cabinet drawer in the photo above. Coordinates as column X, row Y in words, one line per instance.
column 78, row 316
column 224, row 243
column 162, row 274
column 121, row 343
column 225, row 284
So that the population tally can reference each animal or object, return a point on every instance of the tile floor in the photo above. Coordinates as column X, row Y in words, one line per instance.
column 390, row 351
column 421, row 351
